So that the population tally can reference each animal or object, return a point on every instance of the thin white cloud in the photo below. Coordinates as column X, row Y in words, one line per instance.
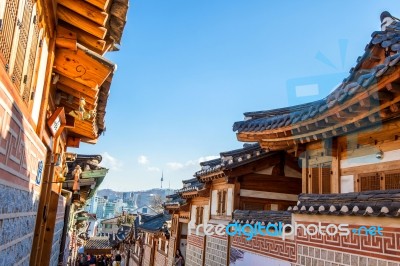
column 201, row 159
column 178, row 166
column 175, row 166
column 110, row 162
column 143, row 159
column 153, row 169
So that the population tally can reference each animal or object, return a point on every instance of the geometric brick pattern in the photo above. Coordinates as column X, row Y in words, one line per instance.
column 273, row 247
column 216, row 251
column 385, row 247
column 324, row 257
column 20, row 153
column 195, row 240
column 194, row 256
column 194, row 250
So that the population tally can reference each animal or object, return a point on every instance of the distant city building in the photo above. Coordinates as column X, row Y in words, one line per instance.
column 92, row 229
column 109, row 210
column 91, row 206
column 101, row 203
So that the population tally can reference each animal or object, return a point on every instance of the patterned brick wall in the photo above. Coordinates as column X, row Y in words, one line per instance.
column 58, row 230
column 324, row 257
column 216, row 251
column 194, row 250
column 146, row 256
column 20, row 153
column 386, row 247
column 160, row 259
column 269, row 246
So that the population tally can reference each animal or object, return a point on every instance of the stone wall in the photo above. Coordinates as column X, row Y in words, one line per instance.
column 216, row 251
column 20, row 153
column 194, row 250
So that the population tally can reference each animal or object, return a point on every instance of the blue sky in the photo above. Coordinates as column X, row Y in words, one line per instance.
column 187, row 70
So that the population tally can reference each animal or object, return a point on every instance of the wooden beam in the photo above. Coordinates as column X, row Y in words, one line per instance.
column 393, row 87
column 81, row 22
column 73, row 142
column 102, row 4
column 90, row 92
column 66, row 39
column 361, row 123
column 74, row 105
column 95, row 44
column 76, row 93
column 384, row 113
column 366, row 102
column 395, row 107
column 87, row 10
column 383, row 96
column 81, row 67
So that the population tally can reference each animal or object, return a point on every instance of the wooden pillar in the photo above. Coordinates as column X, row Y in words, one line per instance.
column 335, row 174
column 304, row 174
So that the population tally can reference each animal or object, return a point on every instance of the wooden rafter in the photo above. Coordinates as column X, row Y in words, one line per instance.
column 81, row 67
column 87, row 10
column 82, row 22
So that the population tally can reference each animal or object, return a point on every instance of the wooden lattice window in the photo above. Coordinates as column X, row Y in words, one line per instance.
column 379, row 180
column 21, row 42
column 320, row 178
column 370, row 181
column 392, row 180
column 221, row 202
column 199, row 215
column 8, row 23
column 19, row 33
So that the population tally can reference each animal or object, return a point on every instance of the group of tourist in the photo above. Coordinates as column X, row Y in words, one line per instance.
column 101, row 260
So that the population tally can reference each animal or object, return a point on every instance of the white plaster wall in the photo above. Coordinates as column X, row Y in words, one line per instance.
column 214, row 202
column 388, row 156
column 346, row 183
column 206, row 214
column 229, row 202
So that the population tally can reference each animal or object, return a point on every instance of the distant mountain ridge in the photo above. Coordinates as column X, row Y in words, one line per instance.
column 108, row 192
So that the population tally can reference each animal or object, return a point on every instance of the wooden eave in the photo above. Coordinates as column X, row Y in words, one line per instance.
column 85, row 31
column 211, row 176
column 355, row 113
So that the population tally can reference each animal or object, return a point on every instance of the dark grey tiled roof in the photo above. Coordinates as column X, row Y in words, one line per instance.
column 154, row 223
column 233, row 158
column 192, row 187
column 98, row 242
column 357, row 82
column 263, row 217
column 367, row 203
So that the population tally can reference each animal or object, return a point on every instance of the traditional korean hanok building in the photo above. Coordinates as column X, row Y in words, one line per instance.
column 54, row 84
column 349, row 147
column 154, row 232
column 247, row 179
column 174, row 204
column 196, row 195
column 72, row 228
